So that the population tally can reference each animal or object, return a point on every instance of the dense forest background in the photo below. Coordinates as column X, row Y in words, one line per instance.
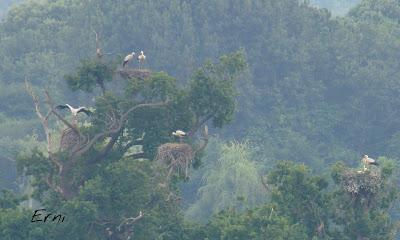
column 318, row 91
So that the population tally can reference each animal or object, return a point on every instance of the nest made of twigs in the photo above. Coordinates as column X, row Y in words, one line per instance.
column 176, row 157
column 361, row 182
column 134, row 73
column 69, row 139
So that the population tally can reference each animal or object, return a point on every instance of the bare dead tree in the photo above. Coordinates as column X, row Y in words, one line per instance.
column 65, row 185
column 98, row 49
column 44, row 119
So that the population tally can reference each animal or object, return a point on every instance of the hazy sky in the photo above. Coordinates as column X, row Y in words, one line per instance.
column 338, row 7
column 5, row 4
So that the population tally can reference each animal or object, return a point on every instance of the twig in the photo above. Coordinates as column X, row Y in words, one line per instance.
column 132, row 220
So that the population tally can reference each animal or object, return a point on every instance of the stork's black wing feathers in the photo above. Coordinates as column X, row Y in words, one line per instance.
column 62, row 107
column 86, row 111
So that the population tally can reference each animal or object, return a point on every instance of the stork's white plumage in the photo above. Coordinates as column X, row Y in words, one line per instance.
column 368, row 161
column 141, row 58
column 179, row 133
column 128, row 58
column 75, row 111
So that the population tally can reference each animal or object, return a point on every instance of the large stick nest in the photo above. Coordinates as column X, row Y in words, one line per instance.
column 69, row 139
column 176, row 157
column 134, row 73
column 364, row 183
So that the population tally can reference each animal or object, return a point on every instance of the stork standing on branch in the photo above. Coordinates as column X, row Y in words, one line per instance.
column 141, row 58
column 368, row 161
column 75, row 111
column 128, row 58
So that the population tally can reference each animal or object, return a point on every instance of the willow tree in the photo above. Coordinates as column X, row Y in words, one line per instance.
column 231, row 181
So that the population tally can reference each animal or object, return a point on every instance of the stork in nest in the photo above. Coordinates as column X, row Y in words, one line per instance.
column 128, row 58
column 180, row 134
column 368, row 161
column 141, row 58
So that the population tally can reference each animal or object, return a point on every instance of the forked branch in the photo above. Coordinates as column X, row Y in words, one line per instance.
column 117, row 126
column 45, row 124
column 51, row 104
column 130, row 221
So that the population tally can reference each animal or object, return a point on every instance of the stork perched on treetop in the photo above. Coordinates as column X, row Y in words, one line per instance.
column 141, row 59
column 180, row 134
column 75, row 111
column 128, row 58
column 368, row 161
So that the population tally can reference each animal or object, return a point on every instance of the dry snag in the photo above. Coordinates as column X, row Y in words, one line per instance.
column 75, row 144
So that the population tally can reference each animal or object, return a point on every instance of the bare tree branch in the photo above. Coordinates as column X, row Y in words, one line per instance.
column 204, row 143
column 51, row 104
column 45, row 124
column 264, row 183
column 119, row 126
column 198, row 124
column 130, row 220
column 42, row 119
column 53, row 186
column 98, row 49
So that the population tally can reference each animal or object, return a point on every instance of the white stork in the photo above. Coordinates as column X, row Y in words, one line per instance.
column 180, row 134
column 368, row 161
column 141, row 59
column 75, row 111
column 128, row 58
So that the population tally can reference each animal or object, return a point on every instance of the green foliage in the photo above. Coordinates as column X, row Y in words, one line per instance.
column 9, row 200
column 159, row 86
column 89, row 74
column 299, row 195
column 101, row 187
column 313, row 79
column 230, row 182
column 257, row 224
column 361, row 202
column 319, row 90
column 15, row 225
column 302, row 206
column 211, row 96
column 212, row 89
